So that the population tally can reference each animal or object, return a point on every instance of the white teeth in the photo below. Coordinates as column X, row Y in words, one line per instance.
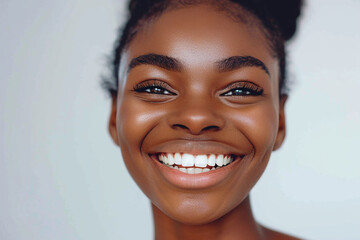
column 220, row 160
column 211, row 161
column 226, row 160
column 179, row 161
column 177, row 158
column 187, row 160
column 201, row 161
column 164, row 159
column 171, row 159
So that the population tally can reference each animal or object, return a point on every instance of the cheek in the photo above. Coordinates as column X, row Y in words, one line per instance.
column 259, row 125
column 134, row 121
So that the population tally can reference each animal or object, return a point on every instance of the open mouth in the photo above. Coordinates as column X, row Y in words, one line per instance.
column 195, row 164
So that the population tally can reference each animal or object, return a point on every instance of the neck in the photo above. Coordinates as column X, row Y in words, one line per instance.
column 237, row 224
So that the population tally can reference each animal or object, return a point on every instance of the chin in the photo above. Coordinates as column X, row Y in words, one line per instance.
column 194, row 213
column 199, row 209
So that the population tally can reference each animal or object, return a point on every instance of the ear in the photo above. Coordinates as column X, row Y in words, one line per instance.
column 282, row 124
column 112, row 121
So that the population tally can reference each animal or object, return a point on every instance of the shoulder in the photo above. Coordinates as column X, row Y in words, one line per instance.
column 274, row 235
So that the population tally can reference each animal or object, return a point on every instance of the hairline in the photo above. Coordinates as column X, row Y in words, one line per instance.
column 236, row 12
column 233, row 11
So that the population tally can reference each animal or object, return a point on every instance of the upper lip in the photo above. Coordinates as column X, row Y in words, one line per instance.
column 195, row 147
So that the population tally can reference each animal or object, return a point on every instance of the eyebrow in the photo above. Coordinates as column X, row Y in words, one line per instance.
column 162, row 61
column 172, row 64
column 236, row 62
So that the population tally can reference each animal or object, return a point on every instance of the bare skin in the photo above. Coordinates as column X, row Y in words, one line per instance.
column 179, row 94
column 241, row 216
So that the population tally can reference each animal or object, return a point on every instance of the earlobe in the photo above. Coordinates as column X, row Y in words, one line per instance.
column 282, row 124
column 112, row 122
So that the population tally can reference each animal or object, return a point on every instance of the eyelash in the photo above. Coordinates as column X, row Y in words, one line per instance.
column 236, row 89
column 243, row 89
column 153, row 87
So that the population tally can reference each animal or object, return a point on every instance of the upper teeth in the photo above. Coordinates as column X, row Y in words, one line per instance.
column 189, row 160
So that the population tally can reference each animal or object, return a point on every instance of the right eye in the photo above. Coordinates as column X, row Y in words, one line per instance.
column 154, row 90
column 153, row 87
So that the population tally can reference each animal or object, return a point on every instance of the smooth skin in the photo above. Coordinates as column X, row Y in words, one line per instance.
column 189, row 105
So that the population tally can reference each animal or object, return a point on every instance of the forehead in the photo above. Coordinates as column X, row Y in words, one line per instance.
column 201, row 34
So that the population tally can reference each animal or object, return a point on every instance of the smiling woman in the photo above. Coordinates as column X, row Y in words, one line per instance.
column 198, row 108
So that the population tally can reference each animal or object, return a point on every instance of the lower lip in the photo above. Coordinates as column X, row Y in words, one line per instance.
column 196, row 181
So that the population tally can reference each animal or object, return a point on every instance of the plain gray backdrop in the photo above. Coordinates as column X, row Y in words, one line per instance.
column 61, row 177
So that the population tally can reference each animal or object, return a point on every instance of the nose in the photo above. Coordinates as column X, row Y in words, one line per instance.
column 196, row 117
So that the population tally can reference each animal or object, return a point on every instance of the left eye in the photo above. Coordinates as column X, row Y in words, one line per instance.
column 243, row 89
column 241, row 92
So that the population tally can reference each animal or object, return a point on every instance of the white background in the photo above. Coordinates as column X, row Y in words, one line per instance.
column 61, row 177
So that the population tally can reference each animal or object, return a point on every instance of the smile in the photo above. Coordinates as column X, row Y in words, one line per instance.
column 195, row 164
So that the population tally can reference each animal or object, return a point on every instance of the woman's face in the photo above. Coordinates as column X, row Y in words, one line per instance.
column 197, row 91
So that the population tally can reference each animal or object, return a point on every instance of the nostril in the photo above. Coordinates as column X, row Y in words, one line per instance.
column 196, row 121
column 205, row 129
column 210, row 128
column 180, row 126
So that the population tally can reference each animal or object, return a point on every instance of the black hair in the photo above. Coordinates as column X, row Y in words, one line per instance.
column 278, row 20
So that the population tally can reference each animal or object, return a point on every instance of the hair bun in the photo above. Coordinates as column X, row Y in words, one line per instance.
column 285, row 13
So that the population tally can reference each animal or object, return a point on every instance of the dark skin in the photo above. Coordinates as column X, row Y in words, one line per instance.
column 177, row 95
